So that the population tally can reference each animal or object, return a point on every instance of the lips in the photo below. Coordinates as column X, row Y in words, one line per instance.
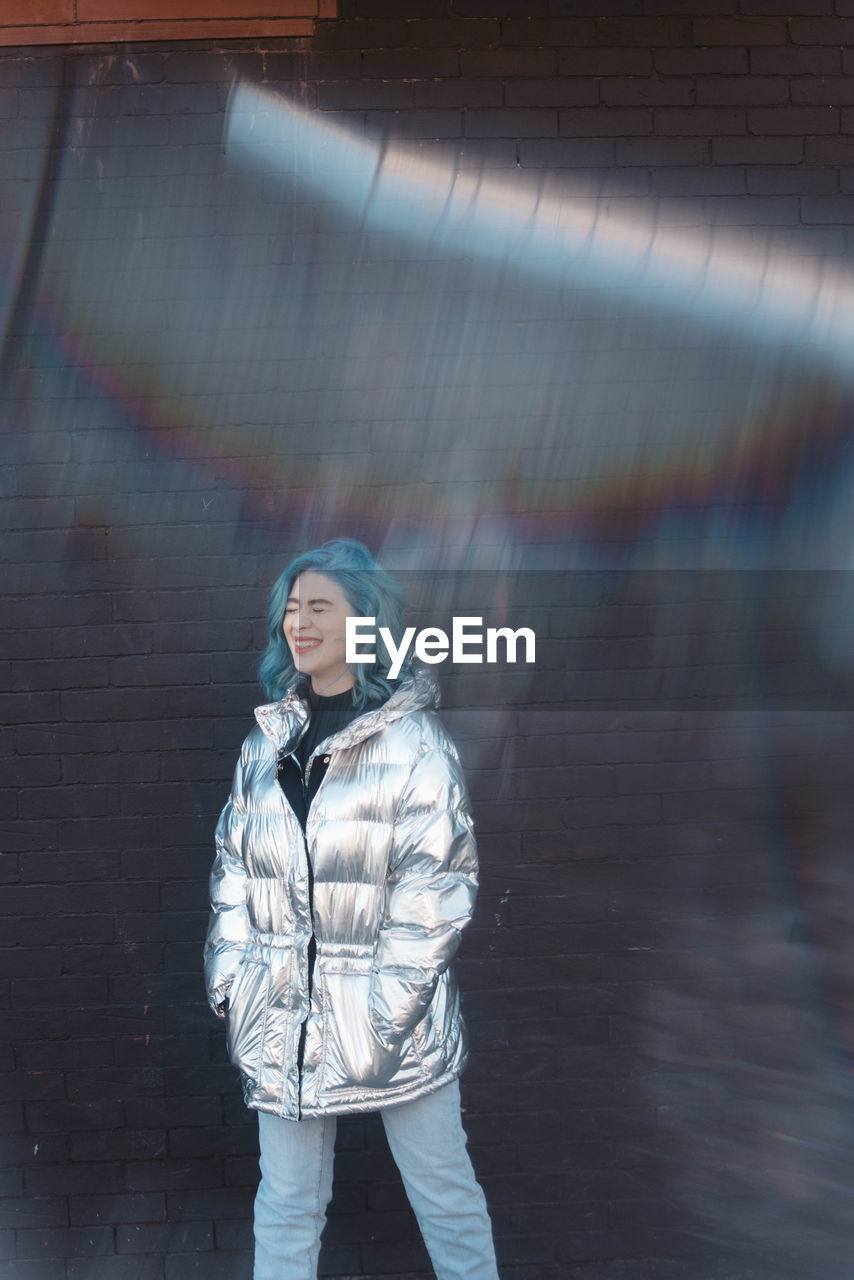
column 305, row 646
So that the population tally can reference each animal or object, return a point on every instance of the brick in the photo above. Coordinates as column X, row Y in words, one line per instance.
column 77, row 610
column 602, row 122
column 409, row 33
column 39, row 70
column 110, row 834
column 44, row 11
column 741, row 31
column 153, row 988
column 410, row 64
column 127, row 1144
column 709, row 121
column 159, row 1049
column 45, row 1270
column 101, row 1021
column 55, row 931
column 30, row 708
column 238, row 1235
column 785, row 6
column 456, row 94
column 70, row 1116
column 632, row 91
column 417, row 124
column 829, row 151
column 556, row 31
column 12, row 1184
column 134, row 67
column 793, row 120
column 508, row 63
column 311, row 64
column 590, row 7
column 784, row 180
column 825, row 30
column 35, row 993
column 189, row 131
column 110, row 769
column 59, row 1243
column 216, row 1078
column 200, row 637
column 833, row 92
column 96, row 100
column 344, row 1228
column 201, row 67
column 187, row 1206
column 115, row 1268
column 165, row 1238
column 483, row 8
column 383, row 95
column 379, row 1257
column 567, row 153
column 699, row 181
column 157, row 1175
column 159, row 670
column 511, row 124
column 796, row 61
column 592, row 780
column 742, row 91
column 33, row 1212
column 705, row 62
column 29, row 961
column 657, row 152
column 166, row 99
column 116, row 1082
column 214, row 1266
column 65, row 1180
column 79, row 673
column 551, row 93
column 12, row 1114
column 20, row 772
column 757, row 150
column 640, row 31
column 827, row 209
column 606, row 62
column 123, row 1209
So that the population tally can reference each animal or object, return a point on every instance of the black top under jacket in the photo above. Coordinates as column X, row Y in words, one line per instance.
column 328, row 716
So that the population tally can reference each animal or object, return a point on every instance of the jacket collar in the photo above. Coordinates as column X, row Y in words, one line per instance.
column 283, row 722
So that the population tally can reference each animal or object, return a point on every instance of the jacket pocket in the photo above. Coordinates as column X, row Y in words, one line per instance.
column 246, row 1016
column 354, row 1055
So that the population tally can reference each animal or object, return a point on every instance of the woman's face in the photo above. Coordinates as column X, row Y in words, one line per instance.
column 314, row 629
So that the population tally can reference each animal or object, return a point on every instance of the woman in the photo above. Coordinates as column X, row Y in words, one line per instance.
column 345, row 870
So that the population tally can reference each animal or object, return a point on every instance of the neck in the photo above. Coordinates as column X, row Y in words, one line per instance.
column 340, row 684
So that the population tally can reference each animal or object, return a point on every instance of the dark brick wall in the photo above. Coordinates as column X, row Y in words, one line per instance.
column 206, row 371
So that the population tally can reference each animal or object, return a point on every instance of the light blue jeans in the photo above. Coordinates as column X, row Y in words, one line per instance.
column 428, row 1143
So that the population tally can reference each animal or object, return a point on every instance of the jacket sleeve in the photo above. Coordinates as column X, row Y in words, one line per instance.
column 228, row 928
column 432, row 884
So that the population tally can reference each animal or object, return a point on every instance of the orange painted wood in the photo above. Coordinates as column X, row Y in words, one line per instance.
column 129, row 32
column 36, row 11
column 181, row 10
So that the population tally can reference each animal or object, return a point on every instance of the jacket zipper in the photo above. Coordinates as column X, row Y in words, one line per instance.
column 312, row 942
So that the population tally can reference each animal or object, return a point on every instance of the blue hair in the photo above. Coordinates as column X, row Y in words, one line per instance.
column 371, row 592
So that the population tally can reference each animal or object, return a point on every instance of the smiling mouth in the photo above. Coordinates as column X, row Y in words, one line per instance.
column 303, row 646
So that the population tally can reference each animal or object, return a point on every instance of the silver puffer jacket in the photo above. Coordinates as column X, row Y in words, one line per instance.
column 384, row 878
